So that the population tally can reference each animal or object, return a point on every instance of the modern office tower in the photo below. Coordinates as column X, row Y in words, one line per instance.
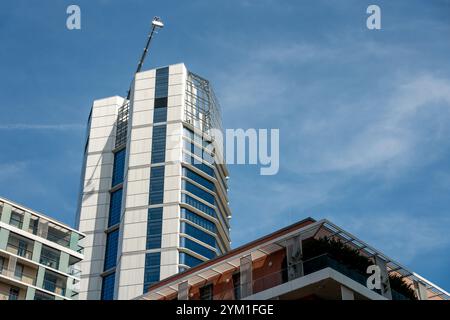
column 39, row 256
column 310, row 260
column 153, row 200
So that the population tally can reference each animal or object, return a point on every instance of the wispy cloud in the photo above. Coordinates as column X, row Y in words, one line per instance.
column 57, row 127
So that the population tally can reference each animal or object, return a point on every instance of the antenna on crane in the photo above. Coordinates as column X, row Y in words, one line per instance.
column 156, row 24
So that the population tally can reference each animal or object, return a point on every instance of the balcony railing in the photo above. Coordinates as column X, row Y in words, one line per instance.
column 20, row 251
column 53, row 287
column 49, row 262
column 281, row 276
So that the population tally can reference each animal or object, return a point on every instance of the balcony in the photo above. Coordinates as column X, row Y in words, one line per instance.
column 52, row 286
column 50, row 257
column 20, row 247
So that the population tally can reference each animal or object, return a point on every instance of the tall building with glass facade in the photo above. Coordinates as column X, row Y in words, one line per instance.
column 153, row 199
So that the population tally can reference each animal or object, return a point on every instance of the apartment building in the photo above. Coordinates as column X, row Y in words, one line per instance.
column 309, row 260
column 39, row 256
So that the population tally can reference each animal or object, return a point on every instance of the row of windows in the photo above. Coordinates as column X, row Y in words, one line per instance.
column 199, row 179
column 198, row 234
column 162, row 82
column 112, row 242
column 152, row 269
column 198, row 220
column 119, row 167
column 160, row 110
column 199, row 192
column 108, row 287
column 159, row 144
column 195, row 137
column 198, row 205
column 197, row 248
column 189, row 260
column 157, row 185
column 115, row 207
column 198, row 151
column 198, row 164
column 154, row 228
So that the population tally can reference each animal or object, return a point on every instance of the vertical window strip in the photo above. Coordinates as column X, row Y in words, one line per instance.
column 119, row 167
column 157, row 185
column 115, row 207
column 152, row 269
column 112, row 242
column 154, row 228
column 108, row 287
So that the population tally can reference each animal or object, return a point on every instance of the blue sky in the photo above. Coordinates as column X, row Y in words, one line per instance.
column 363, row 115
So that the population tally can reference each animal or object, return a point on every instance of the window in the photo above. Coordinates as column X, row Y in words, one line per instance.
column 157, row 185
column 119, row 167
column 198, row 205
column 34, row 222
column 58, row 235
column 16, row 219
column 206, row 292
column 162, row 82
column 115, row 208
column 198, row 220
column 198, row 234
column 160, row 111
column 159, row 144
column 198, row 151
column 22, row 248
column 199, row 192
column 50, row 257
column 18, row 272
column 197, row 248
column 189, row 260
column 152, row 269
column 199, row 179
column 198, row 164
column 112, row 241
column 14, row 293
column 154, row 228
column 108, row 287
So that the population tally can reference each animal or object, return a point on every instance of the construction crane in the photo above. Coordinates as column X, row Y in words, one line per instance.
column 156, row 24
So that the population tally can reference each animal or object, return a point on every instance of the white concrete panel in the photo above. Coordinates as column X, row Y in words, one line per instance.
column 176, row 79
column 99, row 159
column 132, row 261
column 145, row 94
column 142, row 118
column 139, row 159
column 175, row 113
column 94, row 199
column 146, row 74
column 175, row 101
column 131, row 277
column 136, row 174
column 172, row 196
column 135, row 216
column 99, row 172
column 130, row 292
column 144, row 105
column 177, row 68
column 141, row 146
column 106, row 121
column 141, row 133
column 135, row 230
column 169, row 240
column 143, row 84
column 169, row 257
column 168, row 271
column 93, row 212
column 135, row 244
column 171, row 211
column 173, row 154
column 100, row 185
column 93, row 224
column 171, row 226
column 172, row 183
column 101, row 144
column 138, row 200
column 175, row 90
column 101, row 132
column 138, row 187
